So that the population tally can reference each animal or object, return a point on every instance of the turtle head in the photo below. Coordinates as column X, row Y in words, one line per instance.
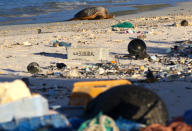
column 110, row 16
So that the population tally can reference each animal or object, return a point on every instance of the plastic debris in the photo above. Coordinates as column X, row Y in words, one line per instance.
column 61, row 65
column 128, row 104
column 171, row 68
column 57, row 44
column 142, row 68
column 76, row 122
column 155, row 127
column 154, row 58
column 126, row 125
column 84, row 92
column 24, row 108
column 187, row 118
column 142, row 36
column 27, row 82
column 168, row 50
column 124, row 25
column 175, row 65
column 101, row 71
column 12, row 91
column 73, row 73
column 184, row 23
column 52, row 92
column 175, row 126
column 129, row 31
column 39, row 31
column 33, row 68
column 100, row 123
column 44, row 123
column 65, row 44
column 137, row 48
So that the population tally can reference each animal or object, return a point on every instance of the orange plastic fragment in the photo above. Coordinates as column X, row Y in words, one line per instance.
column 156, row 127
column 113, row 62
column 180, row 126
column 175, row 126
column 83, row 92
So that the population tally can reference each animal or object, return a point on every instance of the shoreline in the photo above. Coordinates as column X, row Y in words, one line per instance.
column 139, row 8
column 180, row 8
column 142, row 8
column 161, row 11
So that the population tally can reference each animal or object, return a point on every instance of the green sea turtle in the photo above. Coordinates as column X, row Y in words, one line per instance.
column 93, row 13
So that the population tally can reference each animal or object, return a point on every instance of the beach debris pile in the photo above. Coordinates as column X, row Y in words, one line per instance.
column 181, row 48
column 129, row 28
column 97, row 70
column 175, row 65
column 175, row 126
column 100, row 122
column 23, row 110
column 31, row 112
column 16, row 93
column 170, row 68
column 127, row 98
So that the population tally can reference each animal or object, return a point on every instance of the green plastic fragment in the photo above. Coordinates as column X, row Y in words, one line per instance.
column 124, row 25
column 84, row 125
column 96, row 123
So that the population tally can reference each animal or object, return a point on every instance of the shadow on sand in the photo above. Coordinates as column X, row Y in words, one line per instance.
column 55, row 55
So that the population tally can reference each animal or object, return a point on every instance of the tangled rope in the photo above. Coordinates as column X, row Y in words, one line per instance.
column 99, row 123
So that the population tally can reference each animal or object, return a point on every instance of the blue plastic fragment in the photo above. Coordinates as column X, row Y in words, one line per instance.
column 35, row 122
column 187, row 118
column 76, row 122
column 55, row 41
column 126, row 125
column 65, row 44
column 8, row 125
column 51, row 122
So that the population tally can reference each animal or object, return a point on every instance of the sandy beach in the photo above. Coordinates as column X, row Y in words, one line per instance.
column 21, row 45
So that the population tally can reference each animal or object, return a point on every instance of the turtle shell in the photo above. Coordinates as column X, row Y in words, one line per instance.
column 91, row 11
column 137, row 47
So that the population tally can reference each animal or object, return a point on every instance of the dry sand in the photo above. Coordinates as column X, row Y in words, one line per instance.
column 97, row 33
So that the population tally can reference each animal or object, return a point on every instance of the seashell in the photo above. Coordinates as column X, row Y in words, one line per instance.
column 27, row 43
